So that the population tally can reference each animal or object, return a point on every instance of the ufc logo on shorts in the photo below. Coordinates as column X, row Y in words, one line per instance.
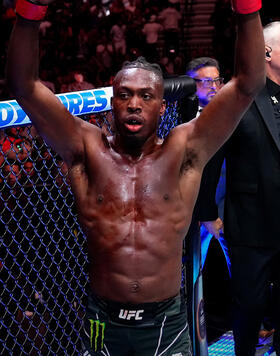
column 131, row 314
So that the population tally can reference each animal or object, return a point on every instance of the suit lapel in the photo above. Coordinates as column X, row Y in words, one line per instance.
column 265, row 107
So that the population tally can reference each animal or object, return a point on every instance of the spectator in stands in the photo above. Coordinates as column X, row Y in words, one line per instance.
column 29, row 172
column 44, row 26
column 104, row 58
column 206, row 73
column 83, row 45
column 118, row 36
column 205, row 221
column 77, row 83
column 12, row 173
column 171, row 20
column 117, row 8
column 15, row 148
column 171, row 63
column 151, row 31
column 177, row 4
column 130, row 5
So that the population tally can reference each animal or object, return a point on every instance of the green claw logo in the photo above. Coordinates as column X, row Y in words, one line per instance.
column 97, row 333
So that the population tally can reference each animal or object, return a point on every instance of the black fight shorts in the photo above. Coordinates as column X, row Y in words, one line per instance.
column 149, row 329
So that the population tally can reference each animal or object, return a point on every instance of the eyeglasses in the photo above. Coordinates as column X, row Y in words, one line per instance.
column 268, row 51
column 208, row 83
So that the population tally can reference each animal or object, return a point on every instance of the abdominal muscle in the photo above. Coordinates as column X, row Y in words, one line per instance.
column 135, row 262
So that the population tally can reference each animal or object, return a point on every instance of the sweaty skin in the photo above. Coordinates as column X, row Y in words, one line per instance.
column 135, row 193
column 137, row 207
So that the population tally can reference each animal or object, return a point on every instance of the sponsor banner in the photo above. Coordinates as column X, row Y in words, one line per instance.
column 77, row 103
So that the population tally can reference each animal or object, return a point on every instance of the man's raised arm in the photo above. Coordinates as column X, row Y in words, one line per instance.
column 221, row 116
column 54, row 123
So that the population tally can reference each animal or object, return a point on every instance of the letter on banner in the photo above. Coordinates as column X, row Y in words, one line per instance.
column 88, row 102
column 63, row 100
column 75, row 103
column 6, row 114
column 82, row 102
column 101, row 100
column 21, row 115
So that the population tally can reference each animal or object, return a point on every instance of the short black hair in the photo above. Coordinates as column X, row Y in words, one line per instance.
column 142, row 63
column 201, row 62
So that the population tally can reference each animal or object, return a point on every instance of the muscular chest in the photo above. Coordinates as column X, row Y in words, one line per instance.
column 135, row 184
column 118, row 190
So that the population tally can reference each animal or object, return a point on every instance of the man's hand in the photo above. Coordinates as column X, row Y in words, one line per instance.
column 214, row 227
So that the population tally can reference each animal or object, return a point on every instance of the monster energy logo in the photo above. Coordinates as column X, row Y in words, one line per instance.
column 96, row 334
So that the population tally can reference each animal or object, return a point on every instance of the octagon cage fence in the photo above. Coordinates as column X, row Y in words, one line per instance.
column 43, row 258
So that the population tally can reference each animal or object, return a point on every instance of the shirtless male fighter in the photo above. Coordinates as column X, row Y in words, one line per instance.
column 134, row 192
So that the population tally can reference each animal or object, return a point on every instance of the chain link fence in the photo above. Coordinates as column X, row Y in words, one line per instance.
column 43, row 258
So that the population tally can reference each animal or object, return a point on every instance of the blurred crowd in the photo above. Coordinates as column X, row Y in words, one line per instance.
column 83, row 43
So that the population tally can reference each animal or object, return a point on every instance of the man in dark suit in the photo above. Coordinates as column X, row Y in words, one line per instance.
column 206, row 73
column 252, row 207
column 205, row 222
